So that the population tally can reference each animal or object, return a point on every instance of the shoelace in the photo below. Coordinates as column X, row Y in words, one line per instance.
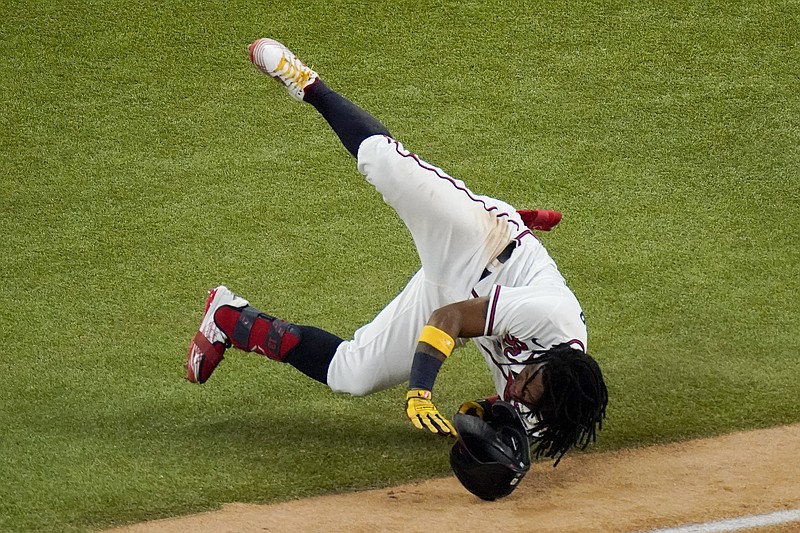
column 293, row 72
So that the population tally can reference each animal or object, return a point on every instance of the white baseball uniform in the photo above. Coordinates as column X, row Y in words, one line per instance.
column 457, row 234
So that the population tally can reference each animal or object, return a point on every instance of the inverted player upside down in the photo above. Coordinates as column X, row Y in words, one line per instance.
column 484, row 276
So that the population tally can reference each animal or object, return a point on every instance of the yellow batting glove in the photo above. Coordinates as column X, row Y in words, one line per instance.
column 423, row 414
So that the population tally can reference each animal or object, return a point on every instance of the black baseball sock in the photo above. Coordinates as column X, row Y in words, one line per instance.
column 313, row 355
column 351, row 123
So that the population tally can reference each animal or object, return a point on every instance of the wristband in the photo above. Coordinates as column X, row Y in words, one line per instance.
column 438, row 339
column 424, row 370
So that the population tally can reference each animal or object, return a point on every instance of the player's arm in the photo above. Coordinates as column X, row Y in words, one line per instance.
column 462, row 319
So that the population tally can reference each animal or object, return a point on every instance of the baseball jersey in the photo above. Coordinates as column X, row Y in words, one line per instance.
column 522, row 320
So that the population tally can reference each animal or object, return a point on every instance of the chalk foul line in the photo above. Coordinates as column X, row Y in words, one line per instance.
column 737, row 524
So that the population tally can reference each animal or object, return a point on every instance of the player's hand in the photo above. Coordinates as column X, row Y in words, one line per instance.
column 423, row 414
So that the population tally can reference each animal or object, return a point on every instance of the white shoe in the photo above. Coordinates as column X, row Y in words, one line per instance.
column 275, row 60
column 209, row 343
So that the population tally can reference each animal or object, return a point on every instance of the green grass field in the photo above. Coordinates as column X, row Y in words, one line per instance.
column 144, row 161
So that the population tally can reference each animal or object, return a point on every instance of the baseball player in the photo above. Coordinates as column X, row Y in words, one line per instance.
column 484, row 276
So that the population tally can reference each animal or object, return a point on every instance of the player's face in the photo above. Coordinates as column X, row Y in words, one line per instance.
column 528, row 386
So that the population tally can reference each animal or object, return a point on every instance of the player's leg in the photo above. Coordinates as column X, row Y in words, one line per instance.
column 230, row 320
column 378, row 357
column 457, row 233
column 351, row 123
column 380, row 354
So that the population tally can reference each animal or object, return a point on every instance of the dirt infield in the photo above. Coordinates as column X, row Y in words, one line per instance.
column 735, row 475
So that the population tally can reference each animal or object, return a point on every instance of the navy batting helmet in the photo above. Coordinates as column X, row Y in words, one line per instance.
column 492, row 454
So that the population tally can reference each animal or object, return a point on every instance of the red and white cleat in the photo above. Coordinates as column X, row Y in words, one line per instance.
column 209, row 343
column 540, row 219
column 275, row 60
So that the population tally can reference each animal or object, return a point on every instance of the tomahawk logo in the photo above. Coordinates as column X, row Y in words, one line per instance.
column 513, row 346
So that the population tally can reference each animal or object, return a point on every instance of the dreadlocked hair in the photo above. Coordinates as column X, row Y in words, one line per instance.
column 574, row 403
